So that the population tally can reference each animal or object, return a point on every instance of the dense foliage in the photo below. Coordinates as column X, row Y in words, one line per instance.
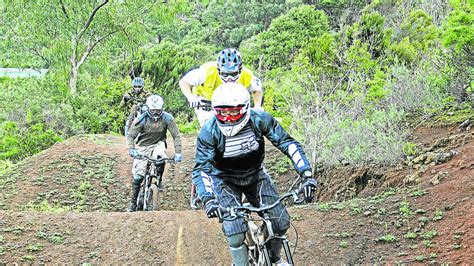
column 342, row 75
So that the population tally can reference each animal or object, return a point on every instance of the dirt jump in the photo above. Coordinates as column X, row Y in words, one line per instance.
column 67, row 205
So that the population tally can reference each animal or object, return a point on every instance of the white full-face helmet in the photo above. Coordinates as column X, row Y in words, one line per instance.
column 154, row 105
column 231, row 105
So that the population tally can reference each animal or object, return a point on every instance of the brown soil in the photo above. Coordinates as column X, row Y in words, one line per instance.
column 361, row 220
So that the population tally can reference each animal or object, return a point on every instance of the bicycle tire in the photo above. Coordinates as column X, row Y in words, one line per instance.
column 140, row 199
column 154, row 198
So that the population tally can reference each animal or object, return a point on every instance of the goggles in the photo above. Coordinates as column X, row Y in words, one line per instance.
column 155, row 112
column 228, row 114
column 229, row 76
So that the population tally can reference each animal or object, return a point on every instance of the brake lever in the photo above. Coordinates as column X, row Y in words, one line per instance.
column 296, row 198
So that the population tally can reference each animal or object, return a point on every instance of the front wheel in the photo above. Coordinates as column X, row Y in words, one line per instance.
column 140, row 198
column 153, row 198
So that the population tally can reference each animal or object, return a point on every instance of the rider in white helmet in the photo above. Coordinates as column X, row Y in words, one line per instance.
column 229, row 156
column 147, row 136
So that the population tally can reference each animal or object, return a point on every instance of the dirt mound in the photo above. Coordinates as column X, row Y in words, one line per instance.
column 87, row 173
column 418, row 212
column 93, row 173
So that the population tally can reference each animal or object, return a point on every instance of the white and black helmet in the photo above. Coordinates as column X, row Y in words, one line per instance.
column 154, row 105
column 231, row 105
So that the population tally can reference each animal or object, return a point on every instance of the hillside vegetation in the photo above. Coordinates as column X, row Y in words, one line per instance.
column 347, row 77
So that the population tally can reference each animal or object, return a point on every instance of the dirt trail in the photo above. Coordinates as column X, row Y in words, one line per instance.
column 430, row 219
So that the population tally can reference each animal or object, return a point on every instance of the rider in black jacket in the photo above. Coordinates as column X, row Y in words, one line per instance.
column 229, row 155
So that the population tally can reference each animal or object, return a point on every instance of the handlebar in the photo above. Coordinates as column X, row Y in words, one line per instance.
column 132, row 98
column 242, row 211
column 157, row 161
column 204, row 102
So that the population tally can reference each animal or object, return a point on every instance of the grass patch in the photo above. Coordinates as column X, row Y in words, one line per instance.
column 405, row 210
column 381, row 197
column 343, row 244
column 423, row 221
column 429, row 234
column 45, row 206
column 340, row 235
column 355, row 210
column 410, row 235
column 56, row 238
column 41, row 235
column 418, row 193
column 338, row 206
column 420, row 258
column 35, row 247
column 323, row 207
column 427, row 243
column 18, row 230
column 388, row 238
column 456, row 246
column 455, row 116
column 438, row 215
column 28, row 258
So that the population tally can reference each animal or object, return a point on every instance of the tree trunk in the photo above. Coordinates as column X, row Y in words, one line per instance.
column 73, row 80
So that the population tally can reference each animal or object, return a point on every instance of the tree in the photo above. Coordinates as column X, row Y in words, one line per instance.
column 64, row 34
column 286, row 35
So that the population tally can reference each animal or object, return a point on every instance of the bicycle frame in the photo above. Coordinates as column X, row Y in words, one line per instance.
column 259, row 235
column 151, row 178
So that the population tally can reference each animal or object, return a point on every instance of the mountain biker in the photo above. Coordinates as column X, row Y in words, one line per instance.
column 147, row 136
column 134, row 97
column 200, row 83
column 229, row 156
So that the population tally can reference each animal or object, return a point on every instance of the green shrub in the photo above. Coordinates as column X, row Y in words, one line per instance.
column 459, row 28
column 16, row 143
column 163, row 66
column 285, row 37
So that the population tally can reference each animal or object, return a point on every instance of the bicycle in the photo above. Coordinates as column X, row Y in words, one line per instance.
column 148, row 196
column 259, row 235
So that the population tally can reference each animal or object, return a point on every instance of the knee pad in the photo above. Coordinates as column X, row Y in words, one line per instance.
column 239, row 255
column 238, row 250
column 137, row 180
column 236, row 240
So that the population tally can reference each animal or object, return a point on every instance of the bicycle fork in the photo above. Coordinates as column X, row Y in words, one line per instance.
column 271, row 235
column 145, row 194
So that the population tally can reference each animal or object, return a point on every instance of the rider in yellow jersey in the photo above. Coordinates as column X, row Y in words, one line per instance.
column 199, row 84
